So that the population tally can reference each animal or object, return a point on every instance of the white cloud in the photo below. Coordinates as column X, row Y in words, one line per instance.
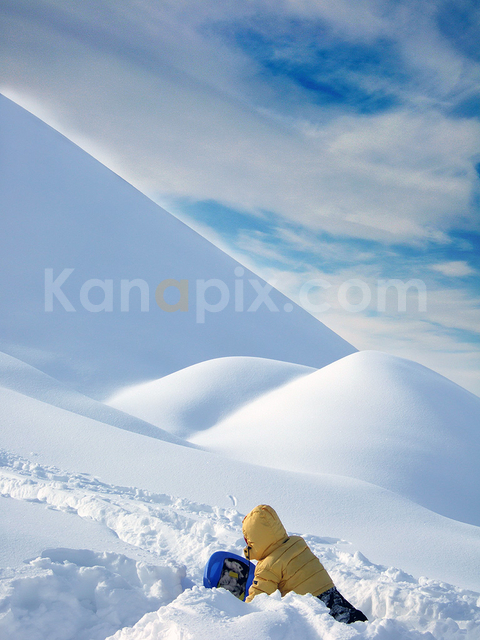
column 422, row 342
column 454, row 269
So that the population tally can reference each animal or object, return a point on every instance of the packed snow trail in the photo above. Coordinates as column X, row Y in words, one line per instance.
column 153, row 590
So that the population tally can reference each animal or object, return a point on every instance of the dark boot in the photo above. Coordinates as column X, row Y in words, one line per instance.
column 341, row 609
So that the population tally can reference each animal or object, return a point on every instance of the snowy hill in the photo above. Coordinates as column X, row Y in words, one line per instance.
column 73, row 231
column 369, row 416
column 50, row 448
column 197, row 397
column 107, row 515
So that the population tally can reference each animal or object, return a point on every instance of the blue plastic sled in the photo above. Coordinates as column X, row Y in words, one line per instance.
column 229, row 571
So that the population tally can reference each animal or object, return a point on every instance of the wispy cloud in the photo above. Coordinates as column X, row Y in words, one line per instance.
column 209, row 125
column 454, row 269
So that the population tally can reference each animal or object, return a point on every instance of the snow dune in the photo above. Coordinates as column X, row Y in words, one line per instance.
column 197, row 397
column 368, row 416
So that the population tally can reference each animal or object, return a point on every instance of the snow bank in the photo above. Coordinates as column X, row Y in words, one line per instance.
column 199, row 396
column 369, row 416
column 200, row 614
column 72, row 594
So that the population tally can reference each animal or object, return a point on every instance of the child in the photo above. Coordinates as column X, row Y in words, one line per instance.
column 287, row 563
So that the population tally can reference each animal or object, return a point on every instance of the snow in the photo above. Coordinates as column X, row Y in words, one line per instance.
column 215, row 388
column 19, row 376
column 370, row 416
column 37, row 438
column 110, row 510
column 38, row 528
column 72, row 593
column 83, row 595
column 214, row 614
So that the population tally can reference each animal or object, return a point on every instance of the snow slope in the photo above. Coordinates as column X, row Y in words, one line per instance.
column 19, row 376
column 48, row 439
column 63, row 210
column 197, row 397
column 148, row 583
column 369, row 416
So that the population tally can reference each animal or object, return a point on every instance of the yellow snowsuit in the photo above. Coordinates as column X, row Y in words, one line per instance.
column 284, row 562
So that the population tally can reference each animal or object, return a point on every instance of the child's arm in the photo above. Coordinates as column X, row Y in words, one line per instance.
column 265, row 581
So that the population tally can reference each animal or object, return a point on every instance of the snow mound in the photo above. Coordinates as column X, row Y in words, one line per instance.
column 81, row 285
column 25, row 379
column 81, row 595
column 199, row 614
column 197, row 397
column 369, row 416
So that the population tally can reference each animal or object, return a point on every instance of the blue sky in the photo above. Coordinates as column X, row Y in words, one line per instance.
column 313, row 140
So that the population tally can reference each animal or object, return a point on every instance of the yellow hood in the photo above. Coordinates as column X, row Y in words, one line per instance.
column 263, row 531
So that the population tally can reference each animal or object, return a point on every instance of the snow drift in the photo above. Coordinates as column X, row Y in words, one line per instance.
column 23, row 378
